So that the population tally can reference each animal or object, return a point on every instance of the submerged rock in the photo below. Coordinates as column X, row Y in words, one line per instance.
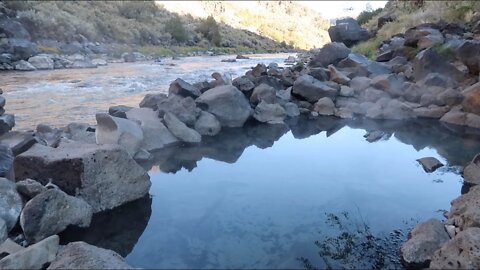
column 35, row 256
column 430, row 164
column 80, row 255
column 227, row 104
column 10, row 203
column 424, row 240
column 105, row 176
column 51, row 212
column 460, row 252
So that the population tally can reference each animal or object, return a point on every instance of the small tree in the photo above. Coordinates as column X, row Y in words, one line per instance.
column 209, row 29
column 175, row 28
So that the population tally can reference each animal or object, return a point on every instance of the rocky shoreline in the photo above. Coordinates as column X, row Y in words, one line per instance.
column 56, row 178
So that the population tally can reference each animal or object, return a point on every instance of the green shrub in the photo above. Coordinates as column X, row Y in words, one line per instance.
column 175, row 28
column 368, row 48
column 209, row 29
column 367, row 15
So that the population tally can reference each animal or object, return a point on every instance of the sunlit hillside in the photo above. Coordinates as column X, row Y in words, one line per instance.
column 283, row 21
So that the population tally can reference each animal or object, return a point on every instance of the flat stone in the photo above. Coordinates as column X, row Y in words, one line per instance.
column 18, row 141
column 430, row 164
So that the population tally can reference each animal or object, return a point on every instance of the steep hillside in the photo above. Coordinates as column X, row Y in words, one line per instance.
column 245, row 26
column 282, row 21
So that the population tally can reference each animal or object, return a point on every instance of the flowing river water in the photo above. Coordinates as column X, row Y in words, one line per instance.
column 309, row 194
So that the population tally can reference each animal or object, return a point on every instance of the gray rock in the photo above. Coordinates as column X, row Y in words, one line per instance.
column 151, row 101
column 318, row 73
column 360, row 65
column 259, row 70
column 424, row 240
column 10, row 203
column 23, row 65
column 9, row 247
column 180, row 130
column 41, row 61
column 469, row 54
column 471, row 173
column 324, row 106
column 6, row 162
column 80, row 255
column 464, row 212
column 84, row 63
column 221, row 79
column 284, row 95
column 105, row 176
column 99, row 62
column 22, row 48
column 18, row 141
column 12, row 28
column 263, row 92
column 358, row 84
column 291, row 109
column 155, row 134
column 207, row 124
column 455, row 118
column 348, row 31
column 391, row 83
column 30, row 188
column 338, row 76
column 227, row 104
column 184, row 109
column 119, row 111
column 346, row 91
column 51, row 212
column 472, row 120
column 312, row 89
column 460, row 252
column 428, row 61
column 35, row 256
column 48, row 136
column 243, row 84
column 114, row 130
column 430, row 164
column 431, row 111
column 397, row 110
column 183, row 89
column 269, row 113
column 81, row 132
column 471, row 103
column 331, row 53
column 3, row 231
column 372, row 94
column 450, row 97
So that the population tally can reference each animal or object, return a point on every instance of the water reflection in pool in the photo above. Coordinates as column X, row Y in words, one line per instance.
column 321, row 196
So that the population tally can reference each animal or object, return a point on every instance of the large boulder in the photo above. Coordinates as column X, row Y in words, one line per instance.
column 460, row 252
column 80, row 255
column 324, row 106
column 348, row 31
column 105, row 176
column 10, row 203
column 263, row 92
column 360, row 65
column 50, row 213
column 227, row 104
column 465, row 212
column 184, row 109
column 424, row 240
column 429, row 61
column 155, row 134
column 471, row 173
column 114, row 130
column 41, row 61
column 183, row 88
column 180, row 130
column 22, row 48
column 423, row 37
column 471, row 103
column 393, row 84
column 151, row 101
column 469, row 54
column 312, row 89
column 331, row 53
column 35, row 256
column 207, row 124
column 269, row 113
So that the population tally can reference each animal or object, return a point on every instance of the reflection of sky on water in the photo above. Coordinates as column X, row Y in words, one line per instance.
column 267, row 209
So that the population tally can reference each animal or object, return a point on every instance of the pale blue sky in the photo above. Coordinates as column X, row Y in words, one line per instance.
column 335, row 9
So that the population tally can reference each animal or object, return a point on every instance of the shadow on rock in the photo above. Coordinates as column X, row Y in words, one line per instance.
column 118, row 229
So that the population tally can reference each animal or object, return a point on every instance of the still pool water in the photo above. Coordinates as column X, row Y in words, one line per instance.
column 307, row 201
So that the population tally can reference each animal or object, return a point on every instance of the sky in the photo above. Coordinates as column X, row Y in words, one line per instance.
column 335, row 9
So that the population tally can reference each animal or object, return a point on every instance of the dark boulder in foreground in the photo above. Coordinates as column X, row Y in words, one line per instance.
column 105, row 176
column 348, row 31
column 51, row 212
